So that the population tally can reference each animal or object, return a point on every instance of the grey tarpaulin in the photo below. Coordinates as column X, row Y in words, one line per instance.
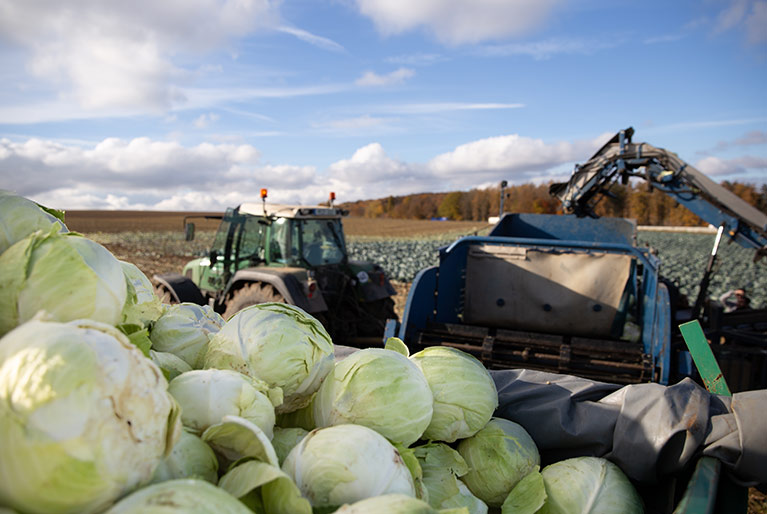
column 649, row 430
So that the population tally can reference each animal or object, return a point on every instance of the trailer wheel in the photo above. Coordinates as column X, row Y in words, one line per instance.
column 251, row 294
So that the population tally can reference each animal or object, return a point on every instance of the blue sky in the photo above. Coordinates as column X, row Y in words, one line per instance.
column 197, row 104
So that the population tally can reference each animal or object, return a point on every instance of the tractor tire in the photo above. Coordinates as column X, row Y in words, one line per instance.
column 251, row 294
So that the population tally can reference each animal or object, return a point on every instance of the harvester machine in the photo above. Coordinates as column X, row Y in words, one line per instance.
column 575, row 294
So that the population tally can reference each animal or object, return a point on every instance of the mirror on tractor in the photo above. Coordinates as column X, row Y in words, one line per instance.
column 189, row 231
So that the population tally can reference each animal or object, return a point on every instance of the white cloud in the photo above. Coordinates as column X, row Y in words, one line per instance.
column 372, row 79
column 312, row 39
column 733, row 169
column 353, row 124
column 542, row 50
column 417, row 59
column 369, row 164
column 147, row 174
column 437, row 107
column 456, row 22
column 748, row 15
column 512, row 157
column 204, row 120
column 107, row 54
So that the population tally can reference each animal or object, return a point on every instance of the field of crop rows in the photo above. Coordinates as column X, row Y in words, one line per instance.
column 683, row 256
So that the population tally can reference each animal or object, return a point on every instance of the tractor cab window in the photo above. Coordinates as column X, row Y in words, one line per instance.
column 222, row 235
column 321, row 241
column 251, row 242
column 279, row 251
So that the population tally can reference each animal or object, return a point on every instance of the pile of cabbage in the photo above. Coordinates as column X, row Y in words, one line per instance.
column 111, row 401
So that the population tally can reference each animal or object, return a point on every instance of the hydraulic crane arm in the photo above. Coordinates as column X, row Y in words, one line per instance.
column 621, row 159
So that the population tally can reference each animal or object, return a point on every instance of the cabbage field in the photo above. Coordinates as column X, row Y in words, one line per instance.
column 684, row 257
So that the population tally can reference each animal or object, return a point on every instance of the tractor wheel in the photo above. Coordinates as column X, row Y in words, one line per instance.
column 251, row 294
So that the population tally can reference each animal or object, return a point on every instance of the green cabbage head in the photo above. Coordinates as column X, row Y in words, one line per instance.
column 191, row 457
column 279, row 344
column 180, row 496
column 393, row 504
column 20, row 216
column 380, row 389
column 207, row 395
column 285, row 439
column 498, row 456
column 84, row 417
column 588, row 484
column 184, row 329
column 465, row 396
column 67, row 275
column 346, row 463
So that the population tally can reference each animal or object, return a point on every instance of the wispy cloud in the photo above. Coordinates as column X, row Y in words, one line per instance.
column 752, row 138
column 353, row 124
column 692, row 125
column 418, row 59
column 372, row 79
column 429, row 108
column 312, row 39
column 204, row 120
column 546, row 49
column 668, row 38
column 748, row 15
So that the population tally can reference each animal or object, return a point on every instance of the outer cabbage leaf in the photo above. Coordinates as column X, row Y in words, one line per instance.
column 442, row 466
column 19, row 217
column 527, row 497
column 265, row 488
column 142, row 306
column 180, row 496
column 236, row 438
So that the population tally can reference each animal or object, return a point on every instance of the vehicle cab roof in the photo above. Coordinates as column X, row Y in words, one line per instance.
column 291, row 211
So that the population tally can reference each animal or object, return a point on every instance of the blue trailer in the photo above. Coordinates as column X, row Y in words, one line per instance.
column 547, row 292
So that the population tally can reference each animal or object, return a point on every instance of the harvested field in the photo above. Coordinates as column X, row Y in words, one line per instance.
column 160, row 221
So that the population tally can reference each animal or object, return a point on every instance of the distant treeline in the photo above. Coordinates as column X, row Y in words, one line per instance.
column 630, row 201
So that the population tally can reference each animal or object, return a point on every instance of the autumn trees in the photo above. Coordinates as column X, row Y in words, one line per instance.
column 631, row 201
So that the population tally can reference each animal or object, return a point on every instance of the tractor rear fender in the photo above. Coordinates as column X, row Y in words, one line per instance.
column 181, row 288
column 285, row 282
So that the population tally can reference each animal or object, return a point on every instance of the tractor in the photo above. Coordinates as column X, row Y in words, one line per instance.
column 294, row 254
